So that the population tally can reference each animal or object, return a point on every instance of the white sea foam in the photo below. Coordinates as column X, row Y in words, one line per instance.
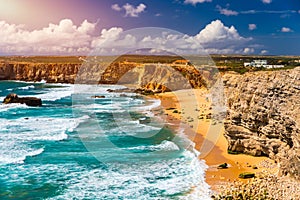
column 26, row 87
column 17, row 81
column 54, row 94
column 6, row 107
column 95, row 89
column 155, row 103
column 37, row 128
column 162, row 179
column 66, row 90
column 17, row 135
column 164, row 146
column 42, row 81
column 19, row 155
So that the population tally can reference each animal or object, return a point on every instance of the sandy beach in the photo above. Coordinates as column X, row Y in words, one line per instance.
column 192, row 109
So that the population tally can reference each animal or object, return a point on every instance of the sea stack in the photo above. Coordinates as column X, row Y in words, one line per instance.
column 29, row 101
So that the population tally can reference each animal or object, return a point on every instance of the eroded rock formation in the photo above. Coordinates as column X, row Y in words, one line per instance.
column 143, row 76
column 29, row 101
column 52, row 73
column 264, row 116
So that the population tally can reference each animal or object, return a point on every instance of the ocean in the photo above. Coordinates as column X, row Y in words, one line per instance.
column 79, row 147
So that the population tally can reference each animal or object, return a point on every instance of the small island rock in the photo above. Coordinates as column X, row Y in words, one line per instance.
column 29, row 101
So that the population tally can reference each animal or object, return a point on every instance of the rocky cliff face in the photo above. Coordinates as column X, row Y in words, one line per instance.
column 145, row 76
column 52, row 73
column 162, row 78
column 264, row 116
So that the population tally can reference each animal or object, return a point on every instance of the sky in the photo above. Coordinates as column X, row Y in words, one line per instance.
column 78, row 27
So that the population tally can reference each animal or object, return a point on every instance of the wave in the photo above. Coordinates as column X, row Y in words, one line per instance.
column 153, row 103
column 164, row 146
column 15, row 158
column 17, row 135
column 42, row 81
column 6, row 107
column 95, row 89
column 58, row 93
column 37, row 82
column 26, row 87
column 179, row 178
column 36, row 129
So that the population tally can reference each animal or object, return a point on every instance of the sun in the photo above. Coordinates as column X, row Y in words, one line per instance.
column 8, row 7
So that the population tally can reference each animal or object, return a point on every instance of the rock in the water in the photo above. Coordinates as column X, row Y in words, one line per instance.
column 247, row 175
column 29, row 101
column 98, row 97
column 145, row 120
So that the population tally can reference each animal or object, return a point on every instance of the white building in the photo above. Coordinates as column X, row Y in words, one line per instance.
column 261, row 63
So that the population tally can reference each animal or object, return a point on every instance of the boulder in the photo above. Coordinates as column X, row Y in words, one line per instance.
column 29, row 101
column 223, row 166
column 247, row 175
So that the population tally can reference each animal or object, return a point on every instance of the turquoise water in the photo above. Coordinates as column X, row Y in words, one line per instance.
column 77, row 147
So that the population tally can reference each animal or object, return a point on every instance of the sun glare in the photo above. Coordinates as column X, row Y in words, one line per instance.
column 8, row 8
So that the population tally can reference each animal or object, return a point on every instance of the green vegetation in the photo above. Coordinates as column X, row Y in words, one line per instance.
column 223, row 63
column 42, row 59
column 236, row 62
column 148, row 58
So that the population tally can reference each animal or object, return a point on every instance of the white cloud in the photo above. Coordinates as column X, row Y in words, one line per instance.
column 267, row 1
column 268, row 11
column 248, row 50
column 286, row 30
column 116, row 7
column 194, row 2
column 216, row 31
column 227, row 12
column 263, row 52
column 130, row 10
column 113, row 41
column 64, row 37
column 214, row 38
column 217, row 37
column 252, row 27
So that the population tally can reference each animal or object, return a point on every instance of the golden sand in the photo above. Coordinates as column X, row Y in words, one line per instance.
column 191, row 108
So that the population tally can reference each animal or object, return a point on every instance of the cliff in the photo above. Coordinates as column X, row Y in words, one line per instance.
column 144, row 76
column 263, row 116
column 51, row 72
